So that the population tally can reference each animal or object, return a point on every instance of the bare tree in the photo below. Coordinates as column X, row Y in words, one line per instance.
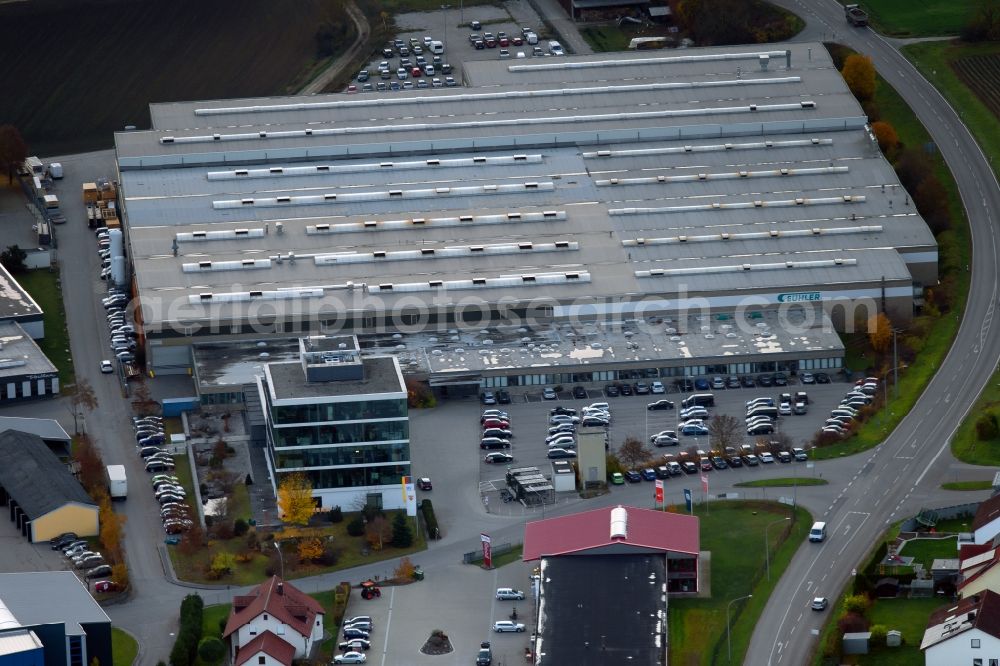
column 633, row 453
column 725, row 431
column 81, row 396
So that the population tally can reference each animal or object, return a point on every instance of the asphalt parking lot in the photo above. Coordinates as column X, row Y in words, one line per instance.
column 463, row 605
column 529, row 416
column 451, row 27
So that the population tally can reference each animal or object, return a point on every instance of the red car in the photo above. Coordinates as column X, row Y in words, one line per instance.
column 105, row 586
column 496, row 423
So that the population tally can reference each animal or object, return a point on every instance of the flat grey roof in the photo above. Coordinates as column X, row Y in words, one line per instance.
column 14, row 300
column 44, row 428
column 287, row 381
column 19, row 354
column 609, row 176
column 651, row 342
column 43, row 597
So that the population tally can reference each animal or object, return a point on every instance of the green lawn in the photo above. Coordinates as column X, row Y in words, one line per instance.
column 908, row 616
column 513, row 555
column 925, row 551
column 613, row 38
column 783, row 483
column 932, row 59
column 954, row 253
column 967, row 485
column 43, row 285
column 698, row 626
column 905, row 18
column 124, row 648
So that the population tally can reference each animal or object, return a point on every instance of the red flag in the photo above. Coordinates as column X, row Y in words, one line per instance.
column 704, row 483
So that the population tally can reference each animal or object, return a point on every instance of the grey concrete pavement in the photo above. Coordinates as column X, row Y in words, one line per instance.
column 905, row 472
column 554, row 15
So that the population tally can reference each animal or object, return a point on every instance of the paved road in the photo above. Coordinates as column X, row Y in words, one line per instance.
column 879, row 487
column 350, row 56
column 899, row 476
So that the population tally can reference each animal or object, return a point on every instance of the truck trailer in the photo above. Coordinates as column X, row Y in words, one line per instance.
column 117, row 482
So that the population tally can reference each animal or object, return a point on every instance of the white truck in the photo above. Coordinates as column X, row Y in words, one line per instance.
column 117, row 482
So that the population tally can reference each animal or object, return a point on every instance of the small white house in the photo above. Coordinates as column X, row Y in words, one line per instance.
column 272, row 613
column 966, row 632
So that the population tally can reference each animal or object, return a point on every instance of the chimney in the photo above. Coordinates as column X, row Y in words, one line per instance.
column 281, row 588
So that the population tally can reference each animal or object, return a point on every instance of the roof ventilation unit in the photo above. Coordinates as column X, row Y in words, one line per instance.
column 808, row 105
column 280, row 227
column 371, row 223
column 619, row 523
column 775, row 233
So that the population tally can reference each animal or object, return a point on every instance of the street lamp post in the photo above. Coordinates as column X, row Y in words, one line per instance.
column 281, row 558
column 729, row 631
column 767, row 544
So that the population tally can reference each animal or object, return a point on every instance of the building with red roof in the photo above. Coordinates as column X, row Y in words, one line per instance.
column 272, row 614
column 622, row 558
column 964, row 632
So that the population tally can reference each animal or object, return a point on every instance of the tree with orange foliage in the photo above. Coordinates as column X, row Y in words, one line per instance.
column 310, row 549
column 111, row 530
column 886, row 136
column 880, row 332
column 859, row 74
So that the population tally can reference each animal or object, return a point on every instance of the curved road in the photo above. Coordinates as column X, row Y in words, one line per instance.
column 881, row 486
column 893, row 480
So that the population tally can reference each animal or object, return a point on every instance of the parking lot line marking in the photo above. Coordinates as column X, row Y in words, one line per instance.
column 388, row 621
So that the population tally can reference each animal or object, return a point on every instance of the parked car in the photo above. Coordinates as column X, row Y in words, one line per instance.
column 799, row 454
column 105, row 586
column 350, row 634
column 509, row 594
column 657, row 387
column 660, row 405
column 766, row 458
column 106, row 367
column 488, row 398
column 424, row 483
column 611, row 391
column 350, row 658
column 649, row 474
column 503, row 397
column 63, row 540
column 561, row 453
column 99, row 572
column 579, row 392
column 641, row 388
column 822, row 378
column 807, row 378
column 494, row 443
column 633, row 476
column 502, row 433
column 548, row 393
column 356, row 645
column 498, row 457
column 760, row 429
column 502, row 626
column 694, row 430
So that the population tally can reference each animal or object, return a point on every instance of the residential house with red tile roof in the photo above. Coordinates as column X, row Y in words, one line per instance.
column 986, row 524
column 272, row 616
column 964, row 632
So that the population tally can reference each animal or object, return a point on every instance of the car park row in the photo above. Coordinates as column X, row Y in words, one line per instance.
column 90, row 563
column 844, row 416
column 122, row 332
column 175, row 513
column 357, row 640
column 706, row 461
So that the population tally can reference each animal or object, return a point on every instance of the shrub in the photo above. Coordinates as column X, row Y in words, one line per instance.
column 211, row 650
column 879, row 632
column 336, row 515
column 330, row 556
column 402, row 535
column 852, row 622
column 986, row 427
column 857, row 603
column 356, row 527
column 405, row 569
column 430, row 520
column 223, row 530
column 240, row 527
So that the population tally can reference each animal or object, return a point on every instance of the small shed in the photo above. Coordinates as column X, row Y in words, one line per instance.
column 856, row 642
column 563, row 476
column 887, row 588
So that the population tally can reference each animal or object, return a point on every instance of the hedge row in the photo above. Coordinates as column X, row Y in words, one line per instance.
column 186, row 646
column 430, row 520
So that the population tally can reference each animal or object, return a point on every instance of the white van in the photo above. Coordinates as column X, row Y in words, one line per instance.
column 818, row 532
column 436, row 47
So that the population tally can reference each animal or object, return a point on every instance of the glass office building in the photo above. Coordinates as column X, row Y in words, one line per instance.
column 341, row 420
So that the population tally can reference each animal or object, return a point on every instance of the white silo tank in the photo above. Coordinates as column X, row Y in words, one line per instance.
column 115, row 236
column 118, row 270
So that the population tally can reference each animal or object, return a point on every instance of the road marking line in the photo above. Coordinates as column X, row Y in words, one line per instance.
column 388, row 621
